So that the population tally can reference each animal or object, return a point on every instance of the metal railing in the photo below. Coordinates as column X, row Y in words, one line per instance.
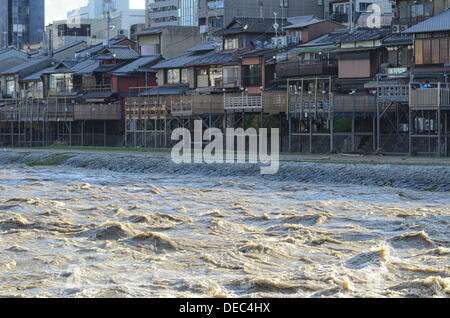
column 393, row 92
column 243, row 101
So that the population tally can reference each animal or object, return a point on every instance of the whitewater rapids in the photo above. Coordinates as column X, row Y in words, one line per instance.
column 98, row 225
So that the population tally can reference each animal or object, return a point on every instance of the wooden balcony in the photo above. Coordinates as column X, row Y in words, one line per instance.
column 292, row 69
column 146, row 107
column 340, row 103
column 56, row 110
column 435, row 97
column 198, row 105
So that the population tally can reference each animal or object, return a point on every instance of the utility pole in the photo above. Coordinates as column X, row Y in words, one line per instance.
column 350, row 15
column 50, row 43
column 108, row 27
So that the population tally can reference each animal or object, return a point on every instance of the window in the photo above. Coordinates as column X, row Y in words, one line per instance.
column 215, row 76
column 176, row 76
column 363, row 6
column 284, row 3
column 231, row 76
column 61, row 83
column 252, row 77
column 173, row 76
column 10, row 85
column 184, row 76
column 416, row 10
column 231, row 44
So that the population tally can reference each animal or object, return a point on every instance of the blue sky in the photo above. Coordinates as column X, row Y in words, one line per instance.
column 57, row 9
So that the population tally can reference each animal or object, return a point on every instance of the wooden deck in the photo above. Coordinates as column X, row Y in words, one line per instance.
column 26, row 110
column 430, row 98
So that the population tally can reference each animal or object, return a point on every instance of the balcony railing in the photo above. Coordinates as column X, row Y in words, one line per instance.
column 74, row 90
column 56, row 109
column 316, row 67
column 393, row 93
column 430, row 95
column 243, row 101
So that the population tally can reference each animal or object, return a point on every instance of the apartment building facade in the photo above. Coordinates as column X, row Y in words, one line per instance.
column 213, row 14
column 17, row 25
column 171, row 13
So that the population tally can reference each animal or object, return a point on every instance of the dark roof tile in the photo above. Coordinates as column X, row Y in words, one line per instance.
column 440, row 22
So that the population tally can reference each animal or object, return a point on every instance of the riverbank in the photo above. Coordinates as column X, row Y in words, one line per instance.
column 424, row 174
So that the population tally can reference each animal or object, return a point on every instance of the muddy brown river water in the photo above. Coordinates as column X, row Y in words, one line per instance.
column 78, row 231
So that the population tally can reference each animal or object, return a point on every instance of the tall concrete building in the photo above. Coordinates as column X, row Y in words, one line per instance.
column 217, row 14
column 21, row 22
column 122, row 17
column 171, row 13
column 96, row 8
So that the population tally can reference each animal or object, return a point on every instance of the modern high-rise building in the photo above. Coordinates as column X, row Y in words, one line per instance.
column 96, row 9
column 122, row 17
column 171, row 13
column 217, row 14
column 21, row 22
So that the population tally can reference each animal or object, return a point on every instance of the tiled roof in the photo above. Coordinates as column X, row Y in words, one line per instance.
column 213, row 58
column 179, row 61
column 209, row 46
column 259, row 52
column 8, row 53
column 440, row 22
column 98, row 47
column 303, row 21
column 398, row 39
column 24, row 66
column 37, row 76
column 85, row 67
column 64, row 66
column 68, row 46
column 119, row 53
column 252, row 25
column 344, row 35
column 136, row 65
column 150, row 31
column 108, row 67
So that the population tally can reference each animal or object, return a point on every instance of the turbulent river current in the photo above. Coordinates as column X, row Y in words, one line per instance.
column 93, row 225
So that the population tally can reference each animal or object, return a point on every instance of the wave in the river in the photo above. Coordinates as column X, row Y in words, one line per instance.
column 428, row 178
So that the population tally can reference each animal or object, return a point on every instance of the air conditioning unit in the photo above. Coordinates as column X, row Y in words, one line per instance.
column 121, row 32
